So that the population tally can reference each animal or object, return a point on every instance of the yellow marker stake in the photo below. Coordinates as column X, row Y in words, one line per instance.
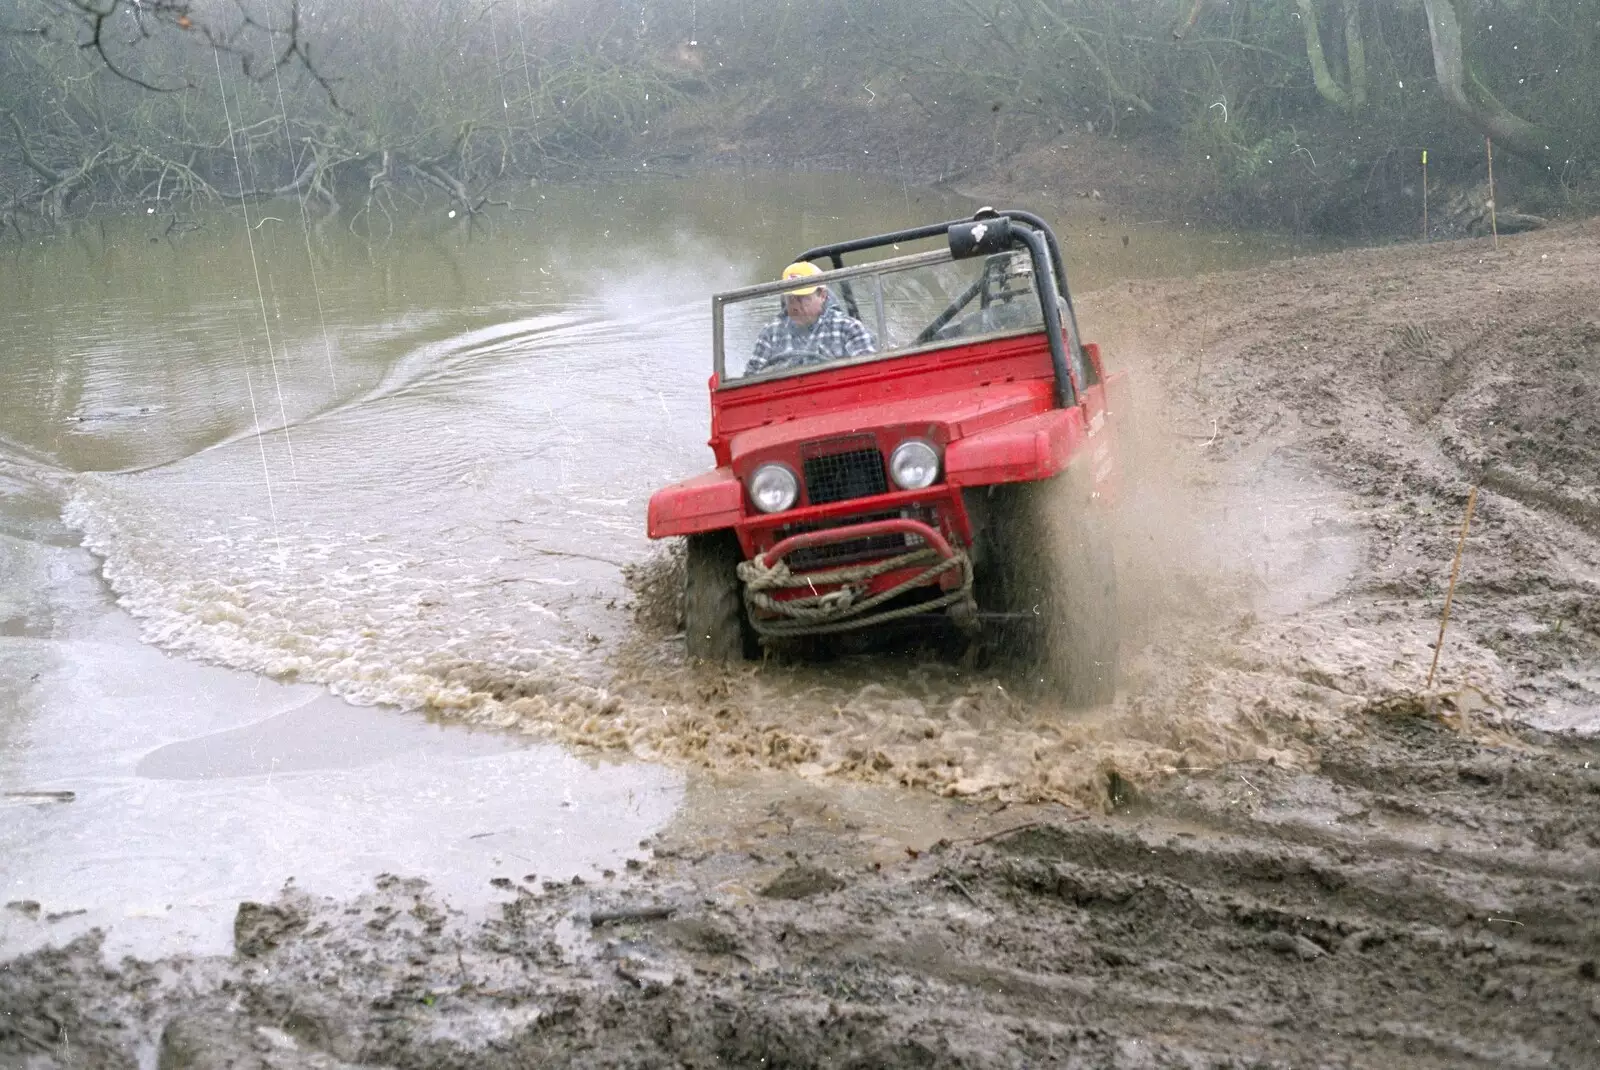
column 1450, row 594
column 1425, row 195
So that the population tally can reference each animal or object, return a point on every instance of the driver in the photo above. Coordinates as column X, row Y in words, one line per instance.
column 813, row 328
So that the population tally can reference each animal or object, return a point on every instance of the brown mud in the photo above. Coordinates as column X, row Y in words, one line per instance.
column 1278, row 848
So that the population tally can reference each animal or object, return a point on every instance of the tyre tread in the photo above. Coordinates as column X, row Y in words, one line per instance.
column 716, row 624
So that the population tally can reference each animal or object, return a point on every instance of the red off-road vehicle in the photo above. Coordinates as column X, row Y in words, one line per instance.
column 957, row 466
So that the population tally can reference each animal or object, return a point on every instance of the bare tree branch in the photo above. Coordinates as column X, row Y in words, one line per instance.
column 97, row 26
column 34, row 164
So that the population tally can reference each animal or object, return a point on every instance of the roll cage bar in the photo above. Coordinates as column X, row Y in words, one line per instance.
column 990, row 231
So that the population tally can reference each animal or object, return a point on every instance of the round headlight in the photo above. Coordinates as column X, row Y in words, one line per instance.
column 774, row 488
column 914, row 464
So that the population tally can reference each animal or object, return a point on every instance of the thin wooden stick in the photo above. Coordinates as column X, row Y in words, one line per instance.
column 1067, row 820
column 627, row 914
column 1449, row 596
column 1425, row 235
column 1494, row 225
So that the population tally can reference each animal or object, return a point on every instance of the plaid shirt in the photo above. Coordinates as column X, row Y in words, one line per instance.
column 785, row 344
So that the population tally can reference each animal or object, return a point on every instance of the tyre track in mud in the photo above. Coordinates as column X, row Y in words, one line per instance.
column 1296, row 855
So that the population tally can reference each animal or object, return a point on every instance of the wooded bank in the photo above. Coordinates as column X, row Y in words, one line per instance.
column 1282, row 111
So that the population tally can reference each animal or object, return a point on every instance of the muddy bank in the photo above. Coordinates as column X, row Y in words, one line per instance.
column 1407, row 376
column 1280, row 847
column 1002, row 156
column 1009, row 155
column 1398, row 909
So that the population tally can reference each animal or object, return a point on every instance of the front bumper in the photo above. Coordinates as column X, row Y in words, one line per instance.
column 939, row 507
column 856, row 564
column 908, row 526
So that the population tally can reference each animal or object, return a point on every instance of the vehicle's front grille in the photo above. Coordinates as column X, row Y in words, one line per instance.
column 839, row 477
column 843, row 553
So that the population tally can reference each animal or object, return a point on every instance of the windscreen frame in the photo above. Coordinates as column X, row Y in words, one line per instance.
column 930, row 258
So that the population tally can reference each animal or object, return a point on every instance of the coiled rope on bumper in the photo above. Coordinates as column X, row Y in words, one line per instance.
column 844, row 609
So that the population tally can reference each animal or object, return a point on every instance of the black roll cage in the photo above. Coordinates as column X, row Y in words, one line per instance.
column 1033, row 234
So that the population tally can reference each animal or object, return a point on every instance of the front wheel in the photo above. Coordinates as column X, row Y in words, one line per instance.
column 1053, row 575
column 716, row 624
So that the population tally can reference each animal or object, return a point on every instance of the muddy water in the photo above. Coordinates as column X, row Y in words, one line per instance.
column 256, row 479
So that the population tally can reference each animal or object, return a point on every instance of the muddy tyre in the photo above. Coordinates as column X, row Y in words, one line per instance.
column 716, row 625
column 1052, row 571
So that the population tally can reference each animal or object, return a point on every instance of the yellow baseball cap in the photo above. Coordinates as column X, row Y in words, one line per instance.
column 802, row 269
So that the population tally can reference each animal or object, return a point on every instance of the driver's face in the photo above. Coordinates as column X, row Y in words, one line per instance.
column 804, row 310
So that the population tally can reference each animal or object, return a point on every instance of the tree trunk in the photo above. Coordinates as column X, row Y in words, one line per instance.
column 1446, row 19
column 1328, row 86
column 1355, row 50
column 1327, row 82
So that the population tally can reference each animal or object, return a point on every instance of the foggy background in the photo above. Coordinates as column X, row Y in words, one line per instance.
column 1309, row 115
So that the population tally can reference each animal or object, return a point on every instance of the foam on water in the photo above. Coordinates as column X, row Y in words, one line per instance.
column 451, row 515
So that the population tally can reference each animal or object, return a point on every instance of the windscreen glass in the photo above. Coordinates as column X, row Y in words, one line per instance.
column 879, row 314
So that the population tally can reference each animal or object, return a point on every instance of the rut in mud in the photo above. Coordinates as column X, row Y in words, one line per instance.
column 1277, row 849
